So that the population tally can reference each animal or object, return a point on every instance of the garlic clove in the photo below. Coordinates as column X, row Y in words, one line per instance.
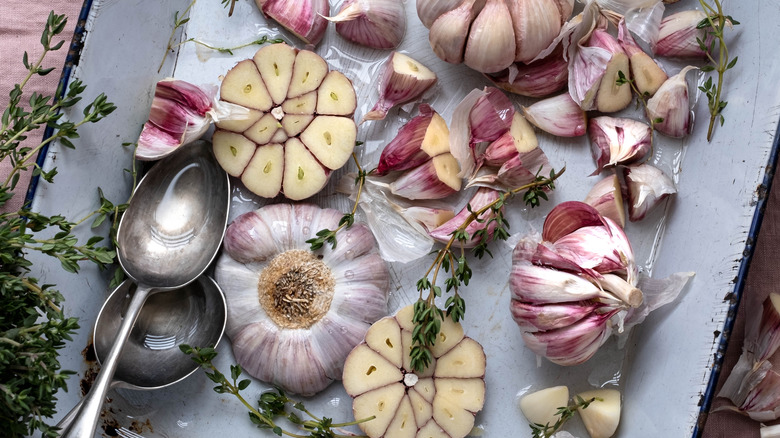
column 602, row 416
column 435, row 179
column 491, row 116
column 647, row 186
column 567, row 217
column 460, row 133
column 611, row 96
column 593, row 247
column 617, row 141
column 768, row 339
column 541, row 407
column 402, row 80
column 538, row 79
column 539, row 285
column 536, row 24
column 519, row 139
column 378, row 24
column 304, row 18
column 428, row 11
column 491, row 42
column 482, row 197
column 645, row 72
column 540, row 317
column 449, row 31
column 429, row 217
column 607, row 198
column 405, row 150
column 623, row 290
column 670, row 107
column 275, row 64
column 573, row 344
column 559, row 115
column 679, row 35
column 298, row 368
column 523, row 169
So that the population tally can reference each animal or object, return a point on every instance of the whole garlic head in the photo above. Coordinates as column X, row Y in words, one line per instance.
column 294, row 315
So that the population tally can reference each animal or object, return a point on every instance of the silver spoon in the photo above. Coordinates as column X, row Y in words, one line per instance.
column 168, row 236
column 194, row 314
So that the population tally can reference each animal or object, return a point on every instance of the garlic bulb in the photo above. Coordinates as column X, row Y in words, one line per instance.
column 181, row 113
column 294, row 315
column 304, row 18
column 378, row 24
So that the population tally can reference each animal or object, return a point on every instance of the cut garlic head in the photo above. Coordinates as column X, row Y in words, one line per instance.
column 294, row 315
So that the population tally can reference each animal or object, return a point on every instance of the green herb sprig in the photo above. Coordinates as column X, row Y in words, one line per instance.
column 229, row 50
column 178, row 21
column 427, row 316
column 715, row 24
column 231, row 3
column 33, row 327
column 272, row 405
column 564, row 414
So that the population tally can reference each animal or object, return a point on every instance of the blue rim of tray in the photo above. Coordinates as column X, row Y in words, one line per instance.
column 71, row 59
column 736, row 296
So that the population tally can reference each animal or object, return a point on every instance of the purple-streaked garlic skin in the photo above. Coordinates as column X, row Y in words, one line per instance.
column 306, row 359
column 538, row 79
column 482, row 197
column 647, row 186
column 523, row 168
column 397, row 87
column 500, row 150
column 617, row 141
column 670, row 106
column 558, row 115
column 679, row 35
column 491, row 116
column 573, row 344
column 607, row 198
column 378, row 24
column 532, row 317
column 534, row 284
column 421, row 182
column 491, row 43
column 768, row 339
column 304, row 18
column 449, row 31
column 429, row 11
column 403, row 152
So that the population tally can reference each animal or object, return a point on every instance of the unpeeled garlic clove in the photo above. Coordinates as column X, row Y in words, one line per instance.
column 428, row 11
column 490, row 46
column 535, row 284
column 607, row 198
column 434, row 179
column 647, row 186
column 541, row 317
column 769, row 328
column 679, row 35
column 573, row 344
column 536, row 23
column 449, row 31
column 670, row 107
column 483, row 197
column 378, row 24
column 519, row 139
column 304, row 18
column 645, row 72
column 402, row 80
column 559, row 115
column 491, row 116
column 404, row 150
column 538, row 79
column 615, row 141
column 611, row 96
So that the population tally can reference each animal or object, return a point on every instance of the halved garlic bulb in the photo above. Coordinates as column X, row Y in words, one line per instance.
column 294, row 315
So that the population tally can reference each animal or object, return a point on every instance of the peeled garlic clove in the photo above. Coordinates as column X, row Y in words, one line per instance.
column 536, row 24
column 679, row 35
column 483, row 197
column 670, row 107
column 540, row 317
column 404, row 151
column 647, row 186
column 491, row 43
column 538, row 79
column 378, row 24
column 435, row 179
column 304, row 18
column 449, row 31
column 558, row 115
column 491, row 116
column 293, row 316
column 607, row 198
column 428, row 11
column 616, row 141
column 541, row 407
column 602, row 416
column 573, row 344
column 402, row 80
column 645, row 72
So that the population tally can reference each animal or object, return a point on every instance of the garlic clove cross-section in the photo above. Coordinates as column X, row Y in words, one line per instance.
column 439, row 402
column 294, row 315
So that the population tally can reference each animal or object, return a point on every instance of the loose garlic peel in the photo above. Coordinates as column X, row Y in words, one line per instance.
column 300, row 126
column 439, row 402
column 293, row 315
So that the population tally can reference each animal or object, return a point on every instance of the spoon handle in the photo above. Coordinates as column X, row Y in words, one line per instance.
column 85, row 421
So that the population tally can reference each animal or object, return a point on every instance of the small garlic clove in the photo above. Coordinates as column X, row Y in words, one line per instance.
column 593, row 247
column 558, row 115
column 607, row 198
column 670, row 107
column 242, row 239
column 428, row 11
column 540, row 317
column 617, row 141
column 536, row 24
column 573, row 344
column 541, row 407
column 402, row 80
column 620, row 288
column 540, row 285
column 602, row 416
column 647, row 186
column 304, row 18
column 538, row 79
column 491, row 43
column 378, row 24
column 768, row 339
column 679, row 35
column 519, row 139
column 645, row 72
column 523, row 169
column 491, row 116
column 483, row 197
column 449, row 31
column 404, row 150
column 435, row 179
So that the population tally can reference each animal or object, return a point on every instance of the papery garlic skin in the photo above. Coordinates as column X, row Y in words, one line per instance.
column 647, row 186
column 559, row 115
column 573, row 344
column 607, row 198
column 483, row 197
column 615, row 141
column 298, row 343
column 378, row 24
column 670, row 107
column 402, row 80
column 679, row 35
column 491, row 43
column 304, row 18
column 491, row 116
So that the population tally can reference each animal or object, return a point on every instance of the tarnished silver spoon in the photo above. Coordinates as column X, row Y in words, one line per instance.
column 168, row 236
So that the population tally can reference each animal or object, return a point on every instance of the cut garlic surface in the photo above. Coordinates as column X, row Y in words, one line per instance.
column 294, row 315
column 438, row 402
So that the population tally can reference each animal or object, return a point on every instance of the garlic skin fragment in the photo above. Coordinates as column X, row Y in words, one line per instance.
column 491, row 116
column 293, row 317
column 647, row 186
column 483, row 196
column 679, row 35
column 378, row 24
column 559, row 115
column 402, row 80
column 670, row 107
column 180, row 114
column 304, row 18
column 615, row 141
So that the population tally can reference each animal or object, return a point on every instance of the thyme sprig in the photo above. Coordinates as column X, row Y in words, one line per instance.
column 641, row 97
column 271, row 406
column 564, row 413
column 427, row 315
column 229, row 50
column 231, row 3
column 715, row 24
column 328, row 236
column 178, row 21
